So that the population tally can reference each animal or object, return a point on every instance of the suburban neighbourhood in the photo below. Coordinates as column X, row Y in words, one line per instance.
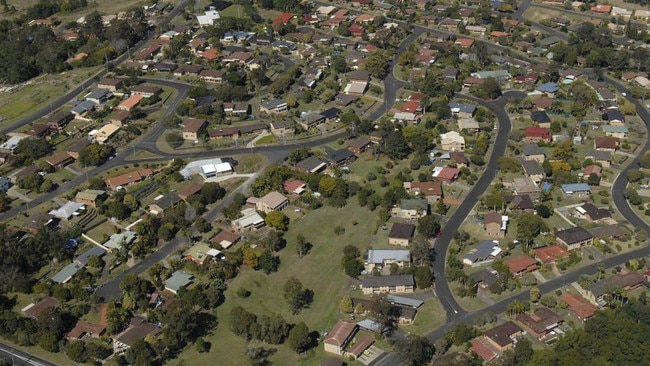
column 364, row 182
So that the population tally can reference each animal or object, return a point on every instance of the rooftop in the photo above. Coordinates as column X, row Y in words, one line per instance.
column 387, row 281
column 573, row 235
column 378, row 256
column 502, row 334
column 402, row 231
column 340, row 333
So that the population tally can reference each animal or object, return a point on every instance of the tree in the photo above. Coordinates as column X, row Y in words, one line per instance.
column 268, row 262
column 32, row 148
column 297, row 297
column 549, row 301
column 535, row 294
column 384, row 312
column 95, row 154
column 299, row 155
column 543, row 211
column 423, row 276
column 299, row 339
column 277, row 220
column 377, row 64
column 346, row 306
column 327, row 186
column 428, row 226
column 633, row 196
column 593, row 179
column 488, row 89
column 76, row 351
column 635, row 175
column 441, row 207
column 529, row 226
column 415, row 350
column 302, row 246
column 396, row 146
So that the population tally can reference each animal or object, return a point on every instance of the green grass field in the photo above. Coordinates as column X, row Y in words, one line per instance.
column 320, row 271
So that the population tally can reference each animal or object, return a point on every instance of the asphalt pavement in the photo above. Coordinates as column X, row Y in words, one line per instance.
column 20, row 358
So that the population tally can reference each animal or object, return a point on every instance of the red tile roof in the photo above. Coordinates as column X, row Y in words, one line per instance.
column 483, row 349
column 550, row 254
column 583, row 308
column 520, row 263
column 292, row 185
column 448, row 173
column 534, row 131
column 340, row 333
column 411, row 106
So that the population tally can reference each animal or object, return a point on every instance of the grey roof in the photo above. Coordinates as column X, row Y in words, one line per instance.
column 573, row 235
column 116, row 240
column 378, row 256
column 413, row 204
column 596, row 213
column 383, row 281
column 310, row 164
column 532, row 148
column 531, row 167
column 252, row 128
column 83, row 107
column 402, row 231
column 615, row 115
column 485, row 275
column 66, row 210
column 167, row 201
column 312, row 118
column 405, row 301
column 540, row 116
column 599, row 155
column 549, row 41
column 339, row 156
column 331, row 113
column 94, row 251
column 99, row 93
column 575, row 187
column 481, row 251
column 272, row 104
column 462, row 107
column 178, row 280
column 66, row 273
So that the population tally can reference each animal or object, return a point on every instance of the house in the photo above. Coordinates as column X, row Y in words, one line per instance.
column 273, row 106
column 59, row 120
column 401, row 234
column 542, row 103
column 216, row 169
column 620, row 132
column 541, row 118
column 163, row 202
column 236, row 109
column 146, row 91
column 118, row 240
column 581, row 307
column 83, row 258
column 99, row 96
column 41, row 220
column 232, row 132
column 468, row 124
column 537, row 134
column 311, row 165
column 521, row 265
column 601, row 9
column 212, row 76
column 447, row 175
column 111, row 84
column 178, row 280
column 272, row 201
column 458, row 158
column 592, row 169
column 359, row 145
column 119, row 118
column 225, row 239
column 411, row 209
column 550, row 254
column 384, row 258
column 281, row 128
column 387, row 284
column 38, row 130
column 534, row 171
column 574, row 238
column 104, row 133
column 127, row 179
column 596, row 293
column 138, row 330
column 201, row 254
column 501, row 76
column 311, row 120
column 542, row 324
column 189, row 190
column 532, row 152
column 34, row 311
column 495, row 225
column 340, row 337
column 294, row 187
column 606, row 143
column 602, row 157
column 67, row 210
column 90, row 197
column 130, row 103
column 356, row 87
column 431, row 191
column 481, row 253
column 485, row 277
column 578, row 190
column 592, row 213
column 340, row 157
column 549, row 88
column 193, row 127
column 83, row 330
column 82, row 107
column 331, row 114
column 59, row 160
column 452, row 141
column 462, row 110
column 503, row 336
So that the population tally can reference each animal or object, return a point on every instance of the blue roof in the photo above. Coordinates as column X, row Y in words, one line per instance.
column 576, row 187
column 549, row 87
